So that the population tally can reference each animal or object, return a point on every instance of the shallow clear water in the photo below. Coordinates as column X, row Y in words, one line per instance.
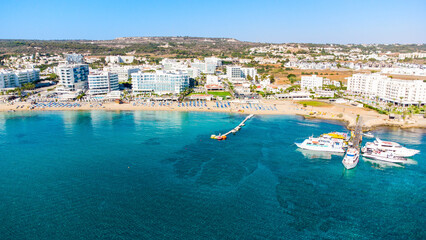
column 158, row 175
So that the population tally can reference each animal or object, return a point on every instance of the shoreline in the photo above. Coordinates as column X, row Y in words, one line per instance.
column 340, row 112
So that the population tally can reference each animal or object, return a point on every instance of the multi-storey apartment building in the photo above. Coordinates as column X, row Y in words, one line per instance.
column 214, row 61
column 160, row 82
column 124, row 72
column 103, row 82
column 233, row 72
column 245, row 72
column 74, row 58
column 412, row 55
column 311, row 82
column 119, row 59
column 404, row 92
column 237, row 72
column 205, row 67
column 16, row 78
column 72, row 77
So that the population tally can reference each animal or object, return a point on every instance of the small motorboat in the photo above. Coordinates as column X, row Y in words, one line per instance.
column 368, row 135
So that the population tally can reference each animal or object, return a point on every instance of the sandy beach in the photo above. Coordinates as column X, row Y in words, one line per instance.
column 340, row 112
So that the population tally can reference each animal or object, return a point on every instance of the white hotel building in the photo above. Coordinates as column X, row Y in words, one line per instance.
column 16, row 78
column 124, row 72
column 160, row 82
column 72, row 77
column 311, row 82
column 245, row 72
column 405, row 92
column 237, row 72
column 103, row 83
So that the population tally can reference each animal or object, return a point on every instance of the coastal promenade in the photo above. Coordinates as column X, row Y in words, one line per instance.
column 340, row 112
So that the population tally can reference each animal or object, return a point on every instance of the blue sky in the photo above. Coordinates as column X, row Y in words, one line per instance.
column 313, row 21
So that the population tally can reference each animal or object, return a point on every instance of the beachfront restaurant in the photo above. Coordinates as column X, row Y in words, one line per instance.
column 294, row 95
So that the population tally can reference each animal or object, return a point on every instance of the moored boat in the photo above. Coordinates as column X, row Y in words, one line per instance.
column 338, row 135
column 351, row 158
column 386, row 156
column 324, row 143
column 388, row 146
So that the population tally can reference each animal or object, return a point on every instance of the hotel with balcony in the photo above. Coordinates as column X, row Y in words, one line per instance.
column 402, row 92
column 103, row 83
column 72, row 77
column 16, row 78
column 160, row 82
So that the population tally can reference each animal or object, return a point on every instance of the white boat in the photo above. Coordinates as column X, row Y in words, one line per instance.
column 309, row 154
column 325, row 144
column 394, row 147
column 386, row 156
column 351, row 158
column 368, row 135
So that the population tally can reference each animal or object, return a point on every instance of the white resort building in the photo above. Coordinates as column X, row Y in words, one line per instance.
column 124, row 72
column 72, row 77
column 311, row 82
column 119, row 59
column 103, row 83
column 16, row 78
column 404, row 92
column 245, row 72
column 237, row 72
column 160, row 82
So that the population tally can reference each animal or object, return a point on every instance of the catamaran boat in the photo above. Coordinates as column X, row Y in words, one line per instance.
column 394, row 147
column 351, row 159
column 386, row 156
column 324, row 143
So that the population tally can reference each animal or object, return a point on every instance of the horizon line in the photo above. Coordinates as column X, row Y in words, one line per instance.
column 35, row 39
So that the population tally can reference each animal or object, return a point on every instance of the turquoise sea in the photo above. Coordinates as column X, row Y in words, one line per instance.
column 158, row 175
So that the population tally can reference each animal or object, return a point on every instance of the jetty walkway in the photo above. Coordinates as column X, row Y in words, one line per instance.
column 236, row 129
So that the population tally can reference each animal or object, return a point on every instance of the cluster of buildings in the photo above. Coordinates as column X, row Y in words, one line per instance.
column 315, row 83
column 403, row 92
column 172, row 76
column 412, row 55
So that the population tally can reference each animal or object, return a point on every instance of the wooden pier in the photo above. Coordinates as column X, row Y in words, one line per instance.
column 357, row 134
column 236, row 129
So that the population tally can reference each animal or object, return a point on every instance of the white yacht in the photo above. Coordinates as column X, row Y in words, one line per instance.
column 324, row 143
column 393, row 147
column 351, row 159
column 386, row 156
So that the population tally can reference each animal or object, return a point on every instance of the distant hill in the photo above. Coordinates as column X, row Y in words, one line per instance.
column 180, row 47
column 161, row 46
column 173, row 39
